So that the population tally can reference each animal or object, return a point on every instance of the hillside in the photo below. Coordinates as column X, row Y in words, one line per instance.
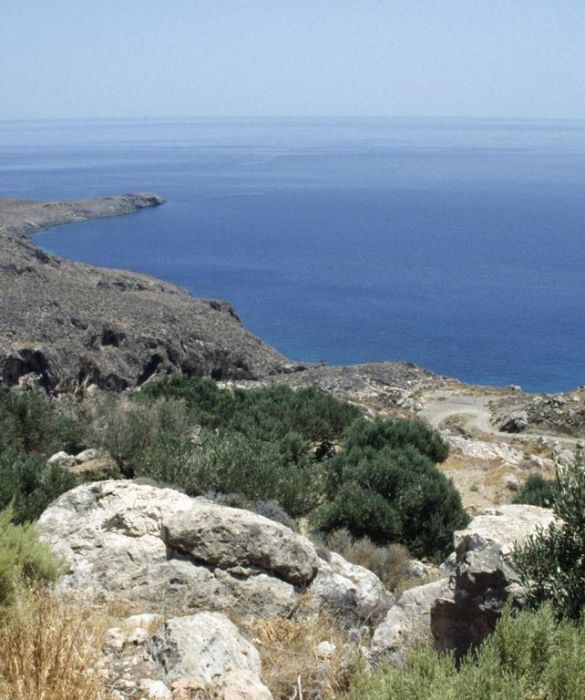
column 74, row 324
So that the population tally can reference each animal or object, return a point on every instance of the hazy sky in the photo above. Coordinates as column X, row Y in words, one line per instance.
column 149, row 58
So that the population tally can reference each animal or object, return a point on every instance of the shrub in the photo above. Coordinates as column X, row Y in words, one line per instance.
column 529, row 656
column 30, row 484
column 537, row 491
column 375, row 435
column 23, row 559
column 31, row 430
column 232, row 463
column 30, row 424
column 273, row 511
column 127, row 430
column 268, row 413
column 258, row 443
column 208, row 405
column 552, row 561
column 389, row 563
column 389, row 490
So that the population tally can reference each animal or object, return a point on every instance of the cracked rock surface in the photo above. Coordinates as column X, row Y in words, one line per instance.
column 166, row 550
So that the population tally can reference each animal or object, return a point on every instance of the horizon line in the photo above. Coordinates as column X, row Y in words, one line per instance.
column 289, row 117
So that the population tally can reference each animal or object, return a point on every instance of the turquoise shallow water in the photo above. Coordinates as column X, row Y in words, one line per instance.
column 456, row 245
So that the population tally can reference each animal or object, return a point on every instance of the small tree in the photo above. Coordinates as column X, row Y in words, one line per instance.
column 552, row 562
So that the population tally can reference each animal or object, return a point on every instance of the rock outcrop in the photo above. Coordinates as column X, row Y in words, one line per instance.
column 72, row 324
column 201, row 655
column 205, row 646
column 456, row 612
column 160, row 547
column 350, row 591
column 515, row 422
column 407, row 623
column 484, row 577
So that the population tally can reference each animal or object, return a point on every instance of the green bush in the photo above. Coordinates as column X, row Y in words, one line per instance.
column 552, row 561
column 259, row 444
column 529, row 657
column 272, row 444
column 23, row 559
column 30, row 484
column 30, row 424
column 375, row 435
column 537, row 491
column 30, row 431
column 232, row 463
column 128, row 430
column 268, row 413
column 389, row 489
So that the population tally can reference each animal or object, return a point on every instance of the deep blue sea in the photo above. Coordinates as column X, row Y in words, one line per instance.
column 457, row 245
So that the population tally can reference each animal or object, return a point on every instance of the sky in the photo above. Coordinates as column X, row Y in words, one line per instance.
column 395, row 58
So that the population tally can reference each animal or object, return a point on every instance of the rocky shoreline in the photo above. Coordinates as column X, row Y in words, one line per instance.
column 75, row 325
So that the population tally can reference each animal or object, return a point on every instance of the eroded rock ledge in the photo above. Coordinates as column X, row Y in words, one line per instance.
column 157, row 546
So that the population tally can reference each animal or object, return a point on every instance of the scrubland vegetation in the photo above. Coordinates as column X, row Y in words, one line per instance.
column 530, row 656
column 48, row 649
column 538, row 653
column 304, row 450
column 537, row 491
column 370, row 489
column 30, row 431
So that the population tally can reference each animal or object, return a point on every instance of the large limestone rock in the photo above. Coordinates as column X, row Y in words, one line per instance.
column 162, row 548
column 484, row 576
column 205, row 646
column 230, row 538
column 516, row 422
column 407, row 623
column 349, row 589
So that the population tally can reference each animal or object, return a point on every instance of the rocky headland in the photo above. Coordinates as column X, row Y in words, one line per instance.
column 74, row 324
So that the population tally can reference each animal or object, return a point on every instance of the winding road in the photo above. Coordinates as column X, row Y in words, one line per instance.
column 441, row 405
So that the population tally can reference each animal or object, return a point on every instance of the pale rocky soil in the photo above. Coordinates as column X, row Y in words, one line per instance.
column 487, row 464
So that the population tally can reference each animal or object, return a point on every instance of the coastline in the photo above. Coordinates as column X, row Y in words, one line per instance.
column 77, row 325
column 72, row 327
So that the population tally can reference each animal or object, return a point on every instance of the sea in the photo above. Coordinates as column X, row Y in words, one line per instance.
column 458, row 245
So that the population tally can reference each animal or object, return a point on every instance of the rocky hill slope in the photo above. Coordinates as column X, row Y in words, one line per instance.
column 73, row 324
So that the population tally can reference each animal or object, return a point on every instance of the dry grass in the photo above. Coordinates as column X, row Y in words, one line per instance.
column 292, row 667
column 390, row 563
column 48, row 651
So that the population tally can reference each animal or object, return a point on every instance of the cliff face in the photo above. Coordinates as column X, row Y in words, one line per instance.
column 72, row 323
